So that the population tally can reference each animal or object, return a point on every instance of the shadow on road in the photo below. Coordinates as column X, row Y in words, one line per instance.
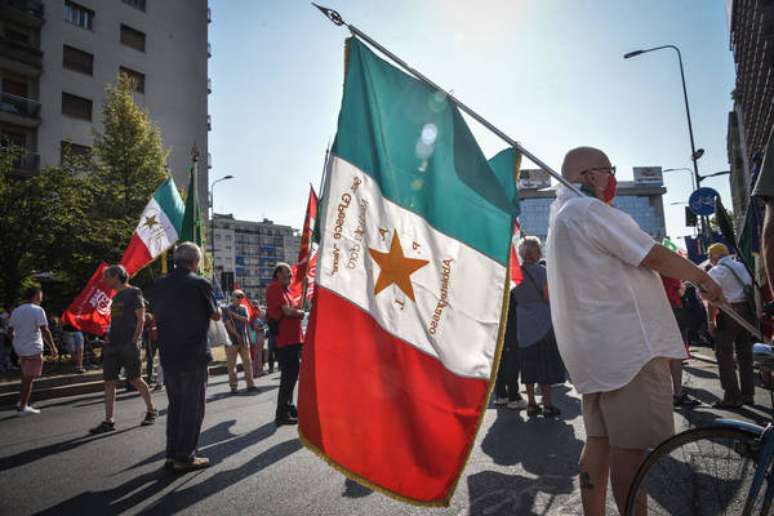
column 354, row 490
column 28, row 456
column 137, row 490
column 546, row 448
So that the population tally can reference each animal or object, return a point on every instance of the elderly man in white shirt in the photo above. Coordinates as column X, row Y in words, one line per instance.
column 614, row 326
column 732, row 276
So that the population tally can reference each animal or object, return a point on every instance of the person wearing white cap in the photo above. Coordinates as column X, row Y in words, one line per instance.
column 614, row 326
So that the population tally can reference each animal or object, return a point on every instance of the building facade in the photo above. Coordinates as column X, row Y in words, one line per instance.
column 750, row 123
column 58, row 56
column 642, row 200
column 247, row 251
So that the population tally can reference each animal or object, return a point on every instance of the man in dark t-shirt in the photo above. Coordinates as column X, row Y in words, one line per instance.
column 183, row 305
column 122, row 347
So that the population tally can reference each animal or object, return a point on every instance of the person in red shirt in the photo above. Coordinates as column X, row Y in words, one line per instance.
column 674, row 290
column 285, row 315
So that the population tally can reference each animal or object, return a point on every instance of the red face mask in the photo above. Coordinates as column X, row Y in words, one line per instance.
column 610, row 189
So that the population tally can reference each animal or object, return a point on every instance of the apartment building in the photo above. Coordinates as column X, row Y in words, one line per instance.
column 58, row 56
column 246, row 252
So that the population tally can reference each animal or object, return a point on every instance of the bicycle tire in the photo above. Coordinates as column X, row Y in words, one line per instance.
column 739, row 445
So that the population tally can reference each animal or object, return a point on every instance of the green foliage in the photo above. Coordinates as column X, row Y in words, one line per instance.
column 64, row 220
column 129, row 153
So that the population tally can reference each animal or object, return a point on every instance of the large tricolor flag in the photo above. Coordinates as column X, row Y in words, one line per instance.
column 159, row 228
column 412, row 279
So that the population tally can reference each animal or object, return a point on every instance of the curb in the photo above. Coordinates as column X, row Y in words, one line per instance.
column 65, row 386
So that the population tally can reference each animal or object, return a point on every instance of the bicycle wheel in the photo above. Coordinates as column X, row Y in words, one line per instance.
column 703, row 471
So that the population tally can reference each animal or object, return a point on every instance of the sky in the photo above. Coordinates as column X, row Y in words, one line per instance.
column 549, row 73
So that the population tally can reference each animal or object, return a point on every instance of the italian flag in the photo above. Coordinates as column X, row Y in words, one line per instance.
column 159, row 228
column 412, row 279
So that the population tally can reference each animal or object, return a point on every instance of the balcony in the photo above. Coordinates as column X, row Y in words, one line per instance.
column 19, row 110
column 28, row 12
column 209, row 15
column 21, row 53
column 209, row 160
column 209, row 123
column 209, row 50
column 209, row 85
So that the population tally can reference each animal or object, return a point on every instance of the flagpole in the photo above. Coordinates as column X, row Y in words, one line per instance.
column 336, row 18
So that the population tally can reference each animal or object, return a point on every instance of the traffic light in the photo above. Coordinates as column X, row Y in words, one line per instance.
column 690, row 217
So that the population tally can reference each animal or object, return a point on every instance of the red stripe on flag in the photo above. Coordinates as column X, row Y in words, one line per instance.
column 136, row 255
column 516, row 275
column 382, row 409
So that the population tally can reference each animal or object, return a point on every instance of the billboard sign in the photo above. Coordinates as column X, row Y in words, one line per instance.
column 648, row 176
column 534, row 179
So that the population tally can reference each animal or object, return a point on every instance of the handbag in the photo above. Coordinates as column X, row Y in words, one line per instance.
column 217, row 334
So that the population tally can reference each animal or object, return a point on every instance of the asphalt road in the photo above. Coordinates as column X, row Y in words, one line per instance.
column 49, row 464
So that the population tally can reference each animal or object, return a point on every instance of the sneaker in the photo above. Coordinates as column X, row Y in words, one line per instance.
column 103, row 427
column 80, row 370
column 518, row 404
column 158, row 387
column 169, row 465
column 726, row 404
column 252, row 388
column 500, row 401
column 293, row 411
column 150, row 417
column 234, row 390
column 193, row 465
column 551, row 411
column 747, row 400
column 28, row 411
column 534, row 410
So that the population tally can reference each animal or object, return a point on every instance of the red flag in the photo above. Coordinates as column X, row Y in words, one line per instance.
column 252, row 312
column 300, row 272
column 516, row 274
column 90, row 311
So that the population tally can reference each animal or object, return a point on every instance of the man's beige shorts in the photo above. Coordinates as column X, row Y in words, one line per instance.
column 639, row 415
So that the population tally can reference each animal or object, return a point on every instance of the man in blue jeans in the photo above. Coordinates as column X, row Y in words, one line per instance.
column 183, row 305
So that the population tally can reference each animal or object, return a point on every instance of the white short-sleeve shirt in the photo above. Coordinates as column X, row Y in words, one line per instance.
column 610, row 315
column 26, row 321
column 731, row 284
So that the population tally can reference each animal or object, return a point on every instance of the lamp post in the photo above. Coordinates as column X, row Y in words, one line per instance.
column 695, row 154
column 212, row 218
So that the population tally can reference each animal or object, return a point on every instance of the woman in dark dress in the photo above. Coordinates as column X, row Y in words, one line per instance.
column 540, row 360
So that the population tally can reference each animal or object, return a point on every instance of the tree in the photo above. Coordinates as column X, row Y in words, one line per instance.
column 64, row 220
column 129, row 154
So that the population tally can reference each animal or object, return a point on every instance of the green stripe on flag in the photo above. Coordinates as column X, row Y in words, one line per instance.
column 416, row 145
column 505, row 164
column 169, row 199
column 192, row 221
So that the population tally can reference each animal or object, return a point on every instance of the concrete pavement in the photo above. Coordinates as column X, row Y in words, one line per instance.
column 49, row 464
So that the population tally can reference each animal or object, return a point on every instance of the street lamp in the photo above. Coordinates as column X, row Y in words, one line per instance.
column 212, row 218
column 695, row 154
column 716, row 174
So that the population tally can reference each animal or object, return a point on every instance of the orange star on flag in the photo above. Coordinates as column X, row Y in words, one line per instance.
column 395, row 268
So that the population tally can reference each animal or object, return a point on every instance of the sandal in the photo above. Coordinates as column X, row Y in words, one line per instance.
column 534, row 410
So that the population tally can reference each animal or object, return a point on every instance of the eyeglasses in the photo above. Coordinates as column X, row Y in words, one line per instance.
column 610, row 170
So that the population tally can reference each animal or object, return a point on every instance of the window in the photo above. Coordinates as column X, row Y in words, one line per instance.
column 137, row 78
column 79, row 15
column 78, row 60
column 133, row 38
column 76, row 107
column 75, row 150
column 137, row 4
